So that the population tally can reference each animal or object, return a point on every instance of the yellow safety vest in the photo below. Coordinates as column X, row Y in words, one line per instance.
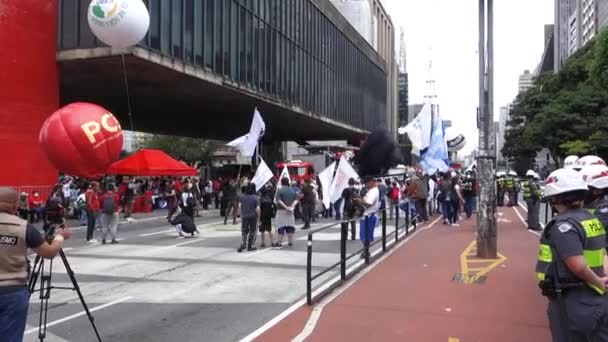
column 593, row 249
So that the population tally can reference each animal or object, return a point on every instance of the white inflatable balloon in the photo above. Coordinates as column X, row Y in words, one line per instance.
column 119, row 23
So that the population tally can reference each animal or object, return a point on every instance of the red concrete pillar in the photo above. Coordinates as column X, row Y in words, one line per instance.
column 29, row 88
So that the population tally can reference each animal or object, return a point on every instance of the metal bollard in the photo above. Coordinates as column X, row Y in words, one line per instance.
column 384, row 230
column 343, row 237
column 397, row 223
column 407, row 219
column 366, row 244
column 309, row 271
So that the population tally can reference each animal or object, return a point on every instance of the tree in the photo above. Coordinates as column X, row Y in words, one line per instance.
column 599, row 65
column 184, row 148
column 564, row 112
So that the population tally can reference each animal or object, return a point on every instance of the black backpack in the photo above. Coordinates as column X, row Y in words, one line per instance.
column 108, row 205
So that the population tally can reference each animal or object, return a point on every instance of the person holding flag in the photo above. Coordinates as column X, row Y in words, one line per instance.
column 371, row 203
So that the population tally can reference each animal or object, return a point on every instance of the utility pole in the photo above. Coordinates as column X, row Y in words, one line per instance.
column 486, row 217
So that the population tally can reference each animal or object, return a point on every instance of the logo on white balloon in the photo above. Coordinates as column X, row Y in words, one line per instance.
column 108, row 12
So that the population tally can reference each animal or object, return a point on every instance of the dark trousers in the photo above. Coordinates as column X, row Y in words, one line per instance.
column 421, row 209
column 13, row 314
column 172, row 203
column 353, row 224
column 469, row 202
column 248, row 231
column 336, row 206
column 91, row 216
column 266, row 216
column 234, row 206
column 500, row 199
column 308, row 212
column 216, row 196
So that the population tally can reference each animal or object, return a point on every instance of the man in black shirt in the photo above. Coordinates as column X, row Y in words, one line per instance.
column 308, row 203
column 349, row 207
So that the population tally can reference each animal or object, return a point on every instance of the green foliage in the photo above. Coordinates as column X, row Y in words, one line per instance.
column 599, row 65
column 564, row 112
column 576, row 147
column 183, row 148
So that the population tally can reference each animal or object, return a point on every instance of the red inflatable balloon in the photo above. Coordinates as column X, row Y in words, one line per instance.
column 81, row 139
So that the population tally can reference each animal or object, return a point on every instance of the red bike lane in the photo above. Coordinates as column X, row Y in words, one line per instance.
column 434, row 288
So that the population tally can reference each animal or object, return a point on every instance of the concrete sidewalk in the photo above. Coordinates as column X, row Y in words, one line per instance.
column 434, row 288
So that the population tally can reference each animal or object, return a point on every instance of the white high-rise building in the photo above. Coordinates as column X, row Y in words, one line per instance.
column 576, row 23
column 503, row 118
column 526, row 81
column 589, row 25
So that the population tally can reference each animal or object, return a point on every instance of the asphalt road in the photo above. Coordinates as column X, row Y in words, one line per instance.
column 154, row 287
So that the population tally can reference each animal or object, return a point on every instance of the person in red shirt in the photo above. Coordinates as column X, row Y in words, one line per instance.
column 92, row 199
column 36, row 206
column 110, row 207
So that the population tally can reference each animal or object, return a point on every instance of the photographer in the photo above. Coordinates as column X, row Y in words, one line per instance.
column 16, row 236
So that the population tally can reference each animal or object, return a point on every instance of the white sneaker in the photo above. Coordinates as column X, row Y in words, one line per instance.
column 92, row 241
column 455, row 225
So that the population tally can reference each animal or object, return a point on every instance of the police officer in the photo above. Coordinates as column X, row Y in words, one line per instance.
column 532, row 196
column 500, row 188
column 570, row 266
column 511, row 185
column 596, row 177
column 16, row 236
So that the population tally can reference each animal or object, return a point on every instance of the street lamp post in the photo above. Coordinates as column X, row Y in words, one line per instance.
column 486, row 223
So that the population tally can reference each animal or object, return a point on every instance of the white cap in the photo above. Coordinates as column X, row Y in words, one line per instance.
column 563, row 181
column 530, row 173
column 595, row 176
column 570, row 161
column 512, row 173
column 500, row 174
column 588, row 160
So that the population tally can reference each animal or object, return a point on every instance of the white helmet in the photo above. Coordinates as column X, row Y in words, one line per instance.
column 570, row 161
column 530, row 173
column 595, row 176
column 588, row 160
column 563, row 181
column 500, row 174
column 512, row 173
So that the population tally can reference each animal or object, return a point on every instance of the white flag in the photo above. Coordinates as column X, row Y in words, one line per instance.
column 262, row 175
column 238, row 141
column 249, row 142
column 284, row 174
column 326, row 176
column 340, row 182
column 419, row 130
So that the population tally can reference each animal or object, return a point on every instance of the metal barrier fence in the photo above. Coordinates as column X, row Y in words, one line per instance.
column 344, row 272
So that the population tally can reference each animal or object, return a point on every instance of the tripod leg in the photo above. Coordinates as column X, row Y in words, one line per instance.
column 45, row 294
column 35, row 274
column 70, row 272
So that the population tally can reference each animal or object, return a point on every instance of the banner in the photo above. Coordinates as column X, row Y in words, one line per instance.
column 262, row 175
column 419, row 130
column 436, row 157
column 325, row 177
column 340, row 182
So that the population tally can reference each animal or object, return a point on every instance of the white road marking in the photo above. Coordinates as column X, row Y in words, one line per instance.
column 524, row 208
column 158, row 233
column 524, row 222
column 82, row 313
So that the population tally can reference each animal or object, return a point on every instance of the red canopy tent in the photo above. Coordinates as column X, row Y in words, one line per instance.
column 147, row 162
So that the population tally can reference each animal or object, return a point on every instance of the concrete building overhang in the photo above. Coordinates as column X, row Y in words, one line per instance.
column 170, row 97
